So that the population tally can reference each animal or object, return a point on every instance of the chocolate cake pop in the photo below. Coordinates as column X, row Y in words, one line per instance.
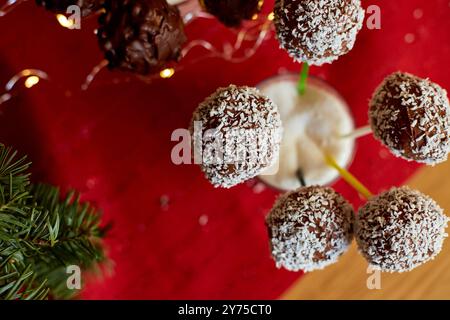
column 141, row 36
column 400, row 229
column 317, row 32
column 60, row 6
column 410, row 116
column 310, row 228
column 241, row 135
column 232, row 12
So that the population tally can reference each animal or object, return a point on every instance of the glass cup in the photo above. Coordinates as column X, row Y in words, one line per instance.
column 314, row 125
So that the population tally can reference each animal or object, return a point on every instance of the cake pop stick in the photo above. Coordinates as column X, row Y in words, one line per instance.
column 348, row 177
column 345, row 174
column 176, row 2
column 358, row 133
column 303, row 79
column 301, row 177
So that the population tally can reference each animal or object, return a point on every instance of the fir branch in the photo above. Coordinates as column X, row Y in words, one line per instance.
column 40, row 235
column 13, row 176
column 70, row 236
column 21, row 283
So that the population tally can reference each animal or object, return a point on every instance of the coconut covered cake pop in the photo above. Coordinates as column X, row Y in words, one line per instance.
column 317, row 31
column 240, row 134
column 400, row 229
column 410, row 116
column 309, row 228
column 140, row 36
column 232, row 12
column 60, row 6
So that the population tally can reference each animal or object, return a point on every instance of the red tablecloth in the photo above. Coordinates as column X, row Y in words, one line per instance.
column 113, row 144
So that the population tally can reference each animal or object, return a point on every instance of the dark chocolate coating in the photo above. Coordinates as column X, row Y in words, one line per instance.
column 232, row 12
column 60, row 6
column 309, row 228
column 411, row 116
column 317, row 32
column 400, row 229
column 239, row 114
column 141, row 36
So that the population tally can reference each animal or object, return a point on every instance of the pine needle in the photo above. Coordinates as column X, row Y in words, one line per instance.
column 42, row 234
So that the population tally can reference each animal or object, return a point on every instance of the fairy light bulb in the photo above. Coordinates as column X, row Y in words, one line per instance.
column 271, row 16
column 167, row 73
column 63, row 21
column 31, row 81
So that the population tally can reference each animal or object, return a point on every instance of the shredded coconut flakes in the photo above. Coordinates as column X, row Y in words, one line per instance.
column 400, row 229
column 318, row 31
column 252, row 123
column 310, row 228
column 411, row 116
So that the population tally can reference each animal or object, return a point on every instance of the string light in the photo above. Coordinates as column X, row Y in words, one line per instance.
column 30, row 74
column 8, row 6
column 248, row 40
column 32, row 77
column 167, row 73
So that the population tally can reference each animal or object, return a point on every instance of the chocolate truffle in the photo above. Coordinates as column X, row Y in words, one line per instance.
column 400, row 229
column 240, row 135
column 317, row 32
column 232, row 12
column 310, row 228
column 60, row 6
column 411, row 117
column 141, row 36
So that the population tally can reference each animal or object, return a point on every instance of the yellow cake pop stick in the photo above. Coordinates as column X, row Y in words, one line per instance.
column 348, row 177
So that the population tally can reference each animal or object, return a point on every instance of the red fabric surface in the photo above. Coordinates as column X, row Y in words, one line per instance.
column 113, row 144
